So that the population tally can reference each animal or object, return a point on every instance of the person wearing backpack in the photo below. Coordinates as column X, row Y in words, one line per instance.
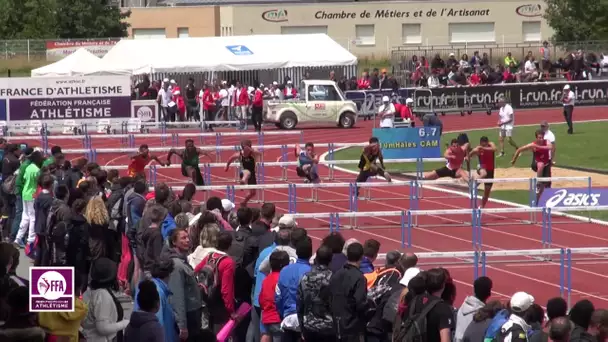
column 42, row 225
column 349, row 297
column 517, row 326
column 476, row 330
column 428, row 317
column 10, row 168
column 58, row 221
column 216, row 279
column 314, row 298
column 482, row 288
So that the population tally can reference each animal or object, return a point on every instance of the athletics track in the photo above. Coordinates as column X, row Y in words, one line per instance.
column 540, row 278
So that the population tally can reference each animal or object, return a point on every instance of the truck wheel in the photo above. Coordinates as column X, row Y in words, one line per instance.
column 347, row 120
column 289, row 120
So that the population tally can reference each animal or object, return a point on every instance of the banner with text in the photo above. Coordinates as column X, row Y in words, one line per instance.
column 58, row 49
column 409, row 143
column 67, row 98
column 573, row 197
column 520, row 95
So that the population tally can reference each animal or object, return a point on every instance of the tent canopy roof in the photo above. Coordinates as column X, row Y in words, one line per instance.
column 233, row 53
column 81, row 62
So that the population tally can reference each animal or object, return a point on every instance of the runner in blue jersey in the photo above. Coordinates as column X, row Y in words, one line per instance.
column 307, row 163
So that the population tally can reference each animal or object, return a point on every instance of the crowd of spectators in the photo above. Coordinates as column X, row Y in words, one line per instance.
column 158, row 266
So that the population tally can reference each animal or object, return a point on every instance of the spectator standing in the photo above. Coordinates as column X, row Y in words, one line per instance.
column 25, row 162
column 580, row 315
column 482, row 289
column 221, row 307
column 371, row 248
column 506, row 123
column 151, row 241
column 349, row 297
column 335, row 242
column 296, row 236
column 30, row 184
column 105, row 319
column 99, row 221
column 314, row 298
column 21, row 324
column 10, row 171
column 257, row 108
column 261, row 237
column 387, row 113
column 65, row 325
column 517, row 327
column 568, row 100
column 191, row 100
column 42, row 208
column 561, row 330
column 160, row 276
column 599, row 325
column 186, row 298
column 144, row 325
column 58, row 226
column 476, row 330
column 287, row 290
column 77, row 250
column 243, row 282
column 163, row 99
column 545, row 63
column 270, row 316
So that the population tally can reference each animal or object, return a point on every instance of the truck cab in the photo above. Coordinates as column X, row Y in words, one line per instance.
column 318, row 102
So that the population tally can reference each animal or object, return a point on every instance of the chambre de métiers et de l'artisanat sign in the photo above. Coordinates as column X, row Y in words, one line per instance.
column 390, row 14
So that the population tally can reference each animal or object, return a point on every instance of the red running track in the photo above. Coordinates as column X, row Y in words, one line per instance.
column 500, row 232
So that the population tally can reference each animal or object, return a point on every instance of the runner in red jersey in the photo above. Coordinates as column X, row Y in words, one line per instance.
column 455, row 155
column 140, row 161
column 542, row 161
column 486, row 151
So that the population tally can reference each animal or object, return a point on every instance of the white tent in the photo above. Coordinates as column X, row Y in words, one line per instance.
column 234, row 53
column 81, row 62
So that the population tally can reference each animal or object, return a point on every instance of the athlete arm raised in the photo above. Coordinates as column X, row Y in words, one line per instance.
column 491, row 147
column 522, row 149
column 297, row 150
column 155, row 158
column 231, row 160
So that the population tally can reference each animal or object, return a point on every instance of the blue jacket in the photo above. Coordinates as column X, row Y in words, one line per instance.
column 259, row 276
column 287, row 287
column 366, row 266
column 165, row 314
column 167, row 226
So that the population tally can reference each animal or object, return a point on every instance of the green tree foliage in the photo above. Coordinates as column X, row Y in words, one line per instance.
column 577, row 20
column 47, row 19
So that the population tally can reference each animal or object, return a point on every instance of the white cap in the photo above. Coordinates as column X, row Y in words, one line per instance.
column 566, row 87
column 173, row 82
column 261, row 85
column 289, row 82
column 287, row 221
column 521, row 302
column 409, row 100
column 275, row 83
column 176, row 92
column 385, row 98
column 409, row 274
column 227, row 205
column 166, row 80
column 452, row 54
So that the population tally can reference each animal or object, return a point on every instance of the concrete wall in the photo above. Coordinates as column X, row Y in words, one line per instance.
column 196, row 21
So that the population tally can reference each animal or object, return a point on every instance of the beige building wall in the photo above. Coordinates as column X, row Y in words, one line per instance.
column 175, row 21
column 374, row 28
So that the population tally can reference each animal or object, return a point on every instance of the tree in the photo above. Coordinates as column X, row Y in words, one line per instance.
column 90, row 19
column 577, row 20
column 28, row 19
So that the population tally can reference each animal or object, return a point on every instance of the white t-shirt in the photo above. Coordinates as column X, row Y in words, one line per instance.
column 224, row 97
column 165, row 97
column 570, row 98
column 529, row 66
column 506, row 114
column 550, row 138
column 389, row 121
column 231, row 95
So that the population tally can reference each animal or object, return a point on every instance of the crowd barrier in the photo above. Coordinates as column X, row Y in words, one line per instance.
column 481, row 259
column 520, row 95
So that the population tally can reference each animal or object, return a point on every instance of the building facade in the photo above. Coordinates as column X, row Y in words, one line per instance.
column 174, row 22
column 373, row 29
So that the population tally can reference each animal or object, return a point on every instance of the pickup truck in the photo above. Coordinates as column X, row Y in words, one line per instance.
column 318, row 101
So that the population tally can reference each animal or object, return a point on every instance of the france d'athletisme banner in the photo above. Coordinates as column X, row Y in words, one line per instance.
column 66, row 98
column 406, row 143
column 520, row 95
column 573, row 197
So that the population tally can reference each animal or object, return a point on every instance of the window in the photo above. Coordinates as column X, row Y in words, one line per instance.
column 365, row 35
column 149, row 33
column 322, row 93
column 472, row 32
column 411, row 34
column 531, row 31
column 303, row 29
column 183, row 32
